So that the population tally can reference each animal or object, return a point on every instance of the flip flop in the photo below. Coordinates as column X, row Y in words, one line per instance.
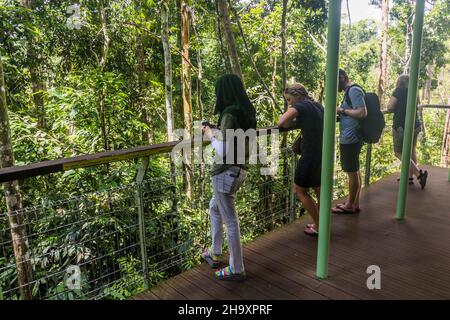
column 340, row 205
column 311, row 231
column 228, row 274
column 211, row 259
column 340, row 210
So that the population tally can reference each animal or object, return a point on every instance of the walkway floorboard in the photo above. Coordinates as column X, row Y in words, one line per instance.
column 414, row 254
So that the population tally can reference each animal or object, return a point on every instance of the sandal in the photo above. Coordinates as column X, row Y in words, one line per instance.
column 342, row 210
column 357, row 210
column 311, row 231
column 211, row 259
column 228, row 274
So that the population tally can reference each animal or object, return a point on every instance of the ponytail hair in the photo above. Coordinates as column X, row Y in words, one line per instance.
column 297, row 90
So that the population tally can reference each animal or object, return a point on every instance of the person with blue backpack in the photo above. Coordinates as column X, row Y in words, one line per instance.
column 352, row 109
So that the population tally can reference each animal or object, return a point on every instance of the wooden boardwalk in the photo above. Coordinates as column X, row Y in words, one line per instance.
column 414, row 254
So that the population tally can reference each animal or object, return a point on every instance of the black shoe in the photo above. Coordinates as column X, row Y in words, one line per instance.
column 423, row 175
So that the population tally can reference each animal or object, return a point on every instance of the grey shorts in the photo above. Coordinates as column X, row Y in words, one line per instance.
column 398, row 138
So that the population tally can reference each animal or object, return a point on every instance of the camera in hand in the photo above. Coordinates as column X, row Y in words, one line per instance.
column 207, row 124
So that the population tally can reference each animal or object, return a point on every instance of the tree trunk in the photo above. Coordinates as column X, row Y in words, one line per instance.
column 347, row 37
column 427, row 88
column 199, row 104
column 167, row 68
column 225, row 60
column 14, row 201
column 445, row 151
column 186, row 91
column 408, row 43
column 382, row 81
column 168, row 90
column 285, row 104
column 283, row 52
column 224, row 16
column 199, row 66
column 147, row 136
column 274, row 77
column 37, row 84
column 102, row 63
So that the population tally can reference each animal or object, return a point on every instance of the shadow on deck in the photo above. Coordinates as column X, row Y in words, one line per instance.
column 414, row 254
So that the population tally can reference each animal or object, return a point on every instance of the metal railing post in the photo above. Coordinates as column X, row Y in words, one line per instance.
column 368, row 165
column 141, row 216
column 326, row 194
column 292, row 196
column 410, row 109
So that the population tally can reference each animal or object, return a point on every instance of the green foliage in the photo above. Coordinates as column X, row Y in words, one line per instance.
column 97, row 225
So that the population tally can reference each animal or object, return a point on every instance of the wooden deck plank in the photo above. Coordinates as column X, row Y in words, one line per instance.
column 305, row 259
column 165, row 292
column 273, row 273
column 248, row 290
column 414, row 254
column 265, row 281
column 215, row 287
column 348, row 260
column 301, row 270
column 189, row 288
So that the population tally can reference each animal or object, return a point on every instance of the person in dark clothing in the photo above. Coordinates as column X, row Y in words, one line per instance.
column 235, row 112
column 307, row 115
column 397, row 104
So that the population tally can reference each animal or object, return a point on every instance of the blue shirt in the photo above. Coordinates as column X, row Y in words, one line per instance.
column 349, row 126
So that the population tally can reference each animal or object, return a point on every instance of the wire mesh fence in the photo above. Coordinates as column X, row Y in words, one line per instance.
column 94, row 246
column 114, row 243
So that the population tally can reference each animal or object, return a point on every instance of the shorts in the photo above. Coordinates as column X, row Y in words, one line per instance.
column 350, row 156
column 307, row 172
column 397, row 135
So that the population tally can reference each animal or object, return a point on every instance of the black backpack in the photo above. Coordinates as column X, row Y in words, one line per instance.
column 371, row 127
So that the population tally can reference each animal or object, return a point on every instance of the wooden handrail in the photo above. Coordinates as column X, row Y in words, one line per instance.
column 434, row 106
column 90, row 160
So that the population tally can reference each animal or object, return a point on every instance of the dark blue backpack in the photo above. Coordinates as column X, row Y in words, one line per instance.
column 371, row 127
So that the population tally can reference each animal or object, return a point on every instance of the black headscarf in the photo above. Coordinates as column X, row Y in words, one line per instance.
column 232, row 98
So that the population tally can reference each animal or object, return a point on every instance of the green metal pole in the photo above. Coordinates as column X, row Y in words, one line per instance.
column 410, row 109
column 326, row 194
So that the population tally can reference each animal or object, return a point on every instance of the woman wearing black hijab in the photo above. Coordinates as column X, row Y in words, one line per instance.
column 235, row 112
